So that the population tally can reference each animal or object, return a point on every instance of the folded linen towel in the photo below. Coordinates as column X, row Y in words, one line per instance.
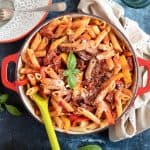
column 137, row 119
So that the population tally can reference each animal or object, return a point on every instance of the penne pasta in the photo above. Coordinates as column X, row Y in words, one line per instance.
column 56, row 106
column 104, row 47
column 33, row 58
column 32, row 90
column 51, row 73
column 66, row 122
column 43, row 44
column 41, row 53
column 101, row 36
column 52, row 84
column 32, row 79
column 36, row 41
column 125, row 70
column 92, row 126
column 82, row 22
column 88, row 73
column 57, row 42
column 118, row 103
column 38, row 76
column 78, row 32
column 105, row 55
column 84, row 70
column 96, row 29
column 89, row 115
column 60, row 100
column 110, row 63
column 115, row 42
column 59, row 122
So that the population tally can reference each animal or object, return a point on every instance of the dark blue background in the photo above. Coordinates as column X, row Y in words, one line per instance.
column 25, row 133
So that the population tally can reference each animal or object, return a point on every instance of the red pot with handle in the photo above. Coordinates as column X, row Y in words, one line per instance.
column 16, row 58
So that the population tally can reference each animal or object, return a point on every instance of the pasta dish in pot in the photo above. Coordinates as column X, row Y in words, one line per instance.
column 83, row 69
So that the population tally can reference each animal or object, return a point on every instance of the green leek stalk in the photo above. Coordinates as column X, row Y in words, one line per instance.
column 43, row 106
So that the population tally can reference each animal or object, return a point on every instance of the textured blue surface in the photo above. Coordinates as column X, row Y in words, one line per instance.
column 25, row 133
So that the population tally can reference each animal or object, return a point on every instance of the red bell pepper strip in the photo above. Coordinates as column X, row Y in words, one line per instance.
column 78, row 120
column 73, row 117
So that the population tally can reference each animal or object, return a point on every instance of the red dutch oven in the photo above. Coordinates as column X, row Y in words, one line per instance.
column 16, row 58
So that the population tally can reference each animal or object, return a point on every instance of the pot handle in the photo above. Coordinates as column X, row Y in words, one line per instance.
column 142, row 90
column 4, row 78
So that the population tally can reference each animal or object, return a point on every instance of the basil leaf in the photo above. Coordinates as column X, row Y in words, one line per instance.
column 1, row 108
column 13, row 110
column 67, row 73
column 75, row 71
column 90, row 147
column 3, row 98
column 71, row 81
column 71, row 61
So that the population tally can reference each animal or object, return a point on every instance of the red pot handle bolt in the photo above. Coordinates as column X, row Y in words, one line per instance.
column 4, row 78
column 142, row 90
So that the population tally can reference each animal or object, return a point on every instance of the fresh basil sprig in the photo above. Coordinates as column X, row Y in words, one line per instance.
column 71, row 71
column 10, row 108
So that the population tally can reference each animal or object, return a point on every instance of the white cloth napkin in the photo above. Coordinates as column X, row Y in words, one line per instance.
column 137, row 119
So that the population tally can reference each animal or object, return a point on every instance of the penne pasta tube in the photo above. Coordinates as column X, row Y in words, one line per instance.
column 46, row 91
column 78, row 129
column 66, row 122
column 58, row 121
column 92, row 126
column 105, row 55
column 104, row 47
column 64, row 57
column 26, row 60
column 96, row 29
column 104, row 123
column 85, row 36
column 38, row 76
column 43, row 44
column 118, row 103
column 60, row 30
column 101, row 95
column 101, row 36
column 56, row 106
column 82, row 22
column 91, row 32
column 103, row 25
column 51, row 73
column 32, row 90
column 60, row 100
column 53, row 25
column 31, row 79
column 26, row 70
column 117, row 64
column 88, row 114
column 106, row 40
column 36, row 41
column 125, row 70
column 41, row 53
column 57, row 42
column 99, row 111
column 88, row 72
column 52, row 84
column 78, row 32
column 84, row 123
column 127, row 92
column 113, row 78
column 115, row 42
column 110, row 63
column 33, row 58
